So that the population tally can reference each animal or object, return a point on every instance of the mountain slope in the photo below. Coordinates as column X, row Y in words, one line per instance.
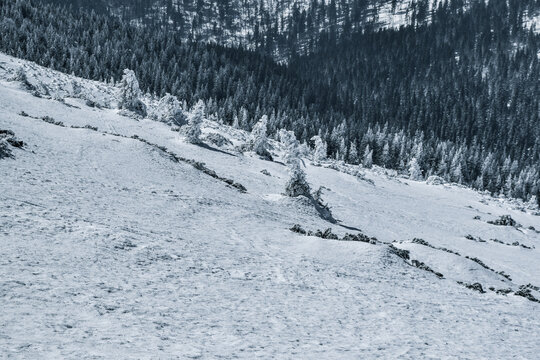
column 110, row 248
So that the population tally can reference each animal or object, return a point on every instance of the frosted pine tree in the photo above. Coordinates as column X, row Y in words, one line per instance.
column 415, row 173
column 368, row 158
column 193, row 127
column 533, row 203
column 169, row 111
column 353, row 154
column 386, row 155
column 319, row 154
column 297, row 184
column 130, row 94
column 259, row 139
column 291, row 144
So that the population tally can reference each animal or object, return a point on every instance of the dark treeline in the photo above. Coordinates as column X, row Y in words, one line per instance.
column 456, row 98
column 277, row 27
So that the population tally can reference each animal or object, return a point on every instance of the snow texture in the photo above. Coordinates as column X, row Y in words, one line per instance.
column 115, row 246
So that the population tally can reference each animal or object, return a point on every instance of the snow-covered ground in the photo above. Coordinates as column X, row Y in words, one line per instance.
column 110, row 249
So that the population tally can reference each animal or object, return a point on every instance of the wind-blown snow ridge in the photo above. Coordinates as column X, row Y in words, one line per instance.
column 111, row 250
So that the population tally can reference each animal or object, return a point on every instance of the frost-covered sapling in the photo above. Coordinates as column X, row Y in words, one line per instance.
column 193, row 127
column 297, row 184
column 169, row 111
column 130, row 94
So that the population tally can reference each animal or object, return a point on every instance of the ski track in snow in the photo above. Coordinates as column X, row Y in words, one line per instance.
column 108, row 249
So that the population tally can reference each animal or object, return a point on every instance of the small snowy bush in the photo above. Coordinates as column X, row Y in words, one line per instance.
column 217, row 139
column 435, row 180
column 169, row 111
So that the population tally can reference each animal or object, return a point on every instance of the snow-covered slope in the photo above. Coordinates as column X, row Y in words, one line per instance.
column 115, row 246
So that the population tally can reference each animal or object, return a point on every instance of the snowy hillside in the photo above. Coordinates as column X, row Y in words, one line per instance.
column 116, row 242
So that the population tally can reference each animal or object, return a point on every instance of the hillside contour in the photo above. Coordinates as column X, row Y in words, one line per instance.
column 117, row 242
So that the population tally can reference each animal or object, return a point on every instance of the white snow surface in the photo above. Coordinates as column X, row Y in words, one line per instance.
column 109, row 249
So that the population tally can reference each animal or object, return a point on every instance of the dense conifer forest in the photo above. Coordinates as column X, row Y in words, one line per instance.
column 456, row 96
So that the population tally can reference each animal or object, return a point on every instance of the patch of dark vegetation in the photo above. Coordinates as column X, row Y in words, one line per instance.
column 404, row 254
column 196, row 164
column 92, row 104
column 475, row 286
column 525, row 291
column 50, row 120
column 504, row 220
column 5, row 151
column 328, row 234
column 322, row 208
column 298, row 229
column 360, row 237
column 477, row 239
column 217, row 139
column 515, row 243
column 423, row 266
column 425, row 243
column 482, row 264
column 7, row 141
column 500, row 291
column 477, row 217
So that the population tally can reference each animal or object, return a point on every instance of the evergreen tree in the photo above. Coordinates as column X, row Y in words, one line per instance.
column 415, row 173
column 193, row 127
column 368, row 158
column 320, row 151
column 130, row 94
column 169, row 111
column 297, row 184
column 259, row 140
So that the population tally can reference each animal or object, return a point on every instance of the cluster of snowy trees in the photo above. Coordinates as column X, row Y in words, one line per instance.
column 460, row 99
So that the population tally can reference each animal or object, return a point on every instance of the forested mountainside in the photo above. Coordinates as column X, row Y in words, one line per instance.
column 456, row 96
column 277, row 27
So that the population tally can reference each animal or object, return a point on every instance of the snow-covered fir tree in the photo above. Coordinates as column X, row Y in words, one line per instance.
column 297, row 184
column 291, row 145
column 353, row 154
column 130, row 94
column 193, row 127
column 368, row 157
column 415, row 173
column 259, row 139
column 169, row 111
column 320, row 151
